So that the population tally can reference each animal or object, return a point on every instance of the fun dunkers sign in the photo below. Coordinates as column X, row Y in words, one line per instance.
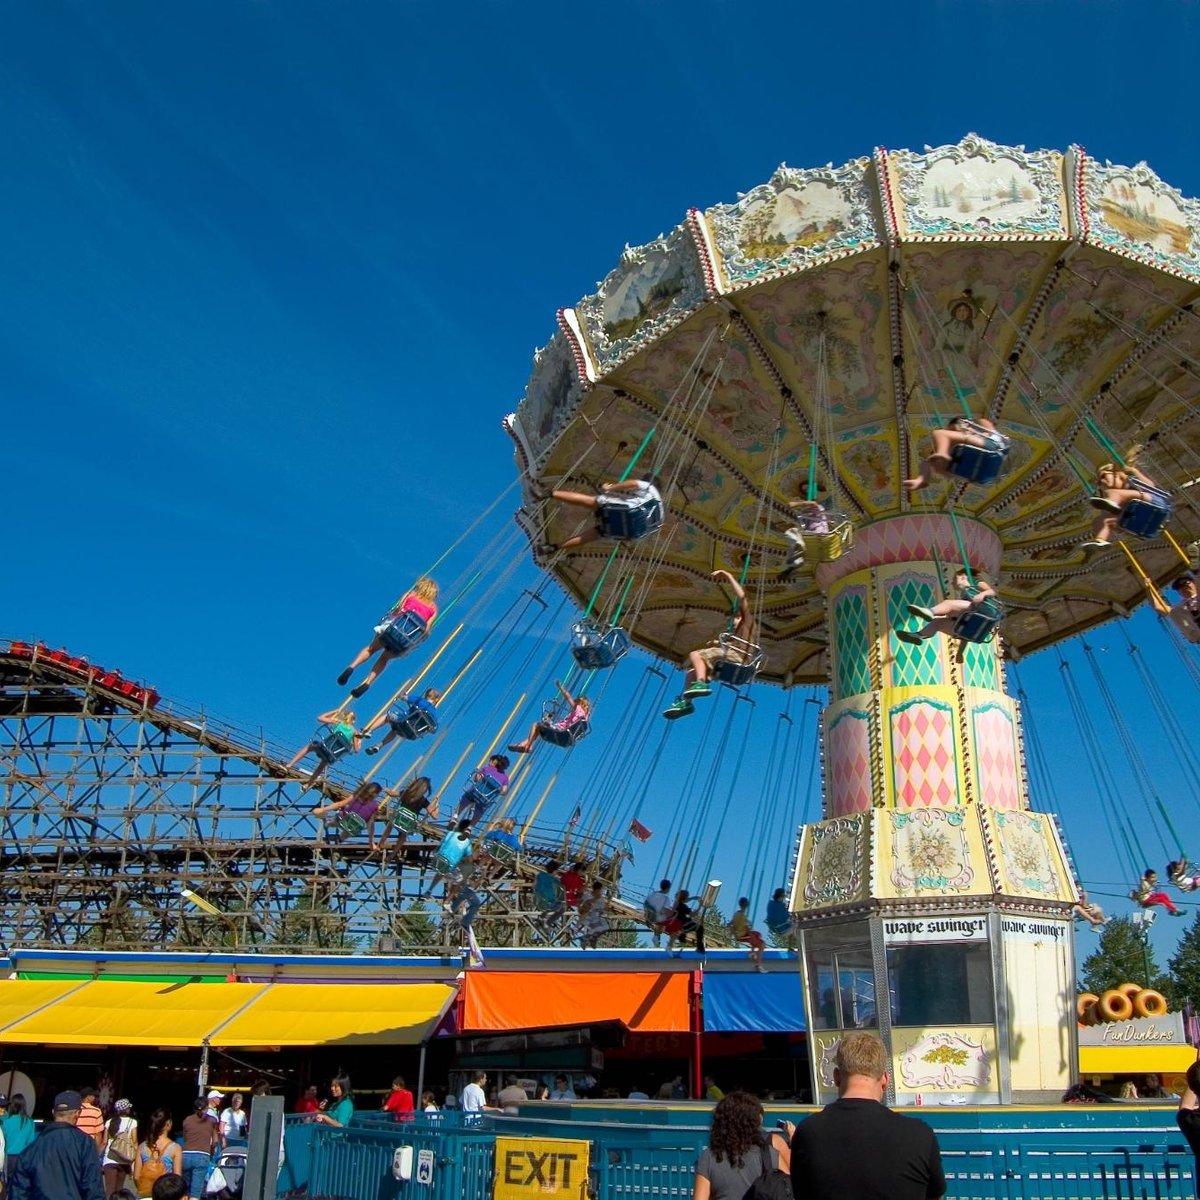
column 1166, row 1030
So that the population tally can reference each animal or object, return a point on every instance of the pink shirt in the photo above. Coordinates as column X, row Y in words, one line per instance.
column 412, row 604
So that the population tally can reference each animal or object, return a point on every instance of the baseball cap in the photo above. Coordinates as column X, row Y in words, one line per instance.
column 215, row 1095
column 66, row 1101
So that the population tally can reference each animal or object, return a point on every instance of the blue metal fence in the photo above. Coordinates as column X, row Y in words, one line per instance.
column 1129, row 1162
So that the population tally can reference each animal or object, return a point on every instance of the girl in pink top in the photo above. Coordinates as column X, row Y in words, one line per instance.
column 422, row 602
column 579, row 711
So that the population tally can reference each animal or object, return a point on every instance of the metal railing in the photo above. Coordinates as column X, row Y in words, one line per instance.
column 651, row 1160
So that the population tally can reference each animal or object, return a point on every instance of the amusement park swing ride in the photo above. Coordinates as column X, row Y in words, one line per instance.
column 712, row 453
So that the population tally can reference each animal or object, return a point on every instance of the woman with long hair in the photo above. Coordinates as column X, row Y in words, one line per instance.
column 341, row 1107
column 17, row 1127
column 418, row 801
column 421, row 601
column 733, row 1158
column 342, row 739
column 158, row 1155
column 358, row 810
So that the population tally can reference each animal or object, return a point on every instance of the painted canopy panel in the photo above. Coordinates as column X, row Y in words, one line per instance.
column 853, row 309
column 109, row 1013
column 361, row 1014
column 21, row 997
column 535, row 1000
column 753, row 1003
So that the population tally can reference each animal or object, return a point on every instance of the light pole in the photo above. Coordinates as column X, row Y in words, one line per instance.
column 1141, row 926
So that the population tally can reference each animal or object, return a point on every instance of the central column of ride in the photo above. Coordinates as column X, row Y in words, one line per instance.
column 931, row 903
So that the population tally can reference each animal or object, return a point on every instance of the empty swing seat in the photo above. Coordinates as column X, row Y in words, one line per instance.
column 979, row 464
column 628, row 520
column 413, row 721
column 979, row 624
column 550, row 729
column 403, row 632
column 331, row 746
column 743, row 662
column 594, row 647
column 1145, row 517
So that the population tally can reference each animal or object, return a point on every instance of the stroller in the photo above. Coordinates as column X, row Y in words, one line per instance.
column 226, row 1176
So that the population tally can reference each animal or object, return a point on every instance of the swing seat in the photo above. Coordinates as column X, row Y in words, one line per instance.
column 443, row 866
column 450, row 853
column 551, row 731
column 544, row 904
column 564, row 738
column 594, row 647
column 501, row 853
column 745, row 661
column 483, row 791
column 1183, row 620
column 405, row 820
column 413, row 722
column 331, row 746
column 979, row 464
column 979, row 624
column 628, row 520
column 404, row 632
column 1144, row 518
column 351, row 825
column 828, row 547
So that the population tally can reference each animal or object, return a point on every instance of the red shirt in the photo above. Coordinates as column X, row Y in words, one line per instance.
column 400, row 1102
column 572, row 883
column 305, row 1105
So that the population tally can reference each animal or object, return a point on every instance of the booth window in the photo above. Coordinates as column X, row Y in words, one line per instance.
column 941, row 984
column 841, row 977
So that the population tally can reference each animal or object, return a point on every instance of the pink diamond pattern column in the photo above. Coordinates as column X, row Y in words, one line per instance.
column 848, row 763
column 996, row 757
column 923, row 760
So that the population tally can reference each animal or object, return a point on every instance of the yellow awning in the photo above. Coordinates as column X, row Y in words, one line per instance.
column 106, row 1012
column 1125, row 1060
column 20, row 997
column 317, row 1014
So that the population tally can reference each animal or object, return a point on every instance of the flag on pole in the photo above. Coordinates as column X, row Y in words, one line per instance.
column 639, row 830
column 575, row 816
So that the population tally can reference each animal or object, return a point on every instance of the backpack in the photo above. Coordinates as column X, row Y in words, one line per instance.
column 772, row 1184
column 123, row 1147
column 150, row 1170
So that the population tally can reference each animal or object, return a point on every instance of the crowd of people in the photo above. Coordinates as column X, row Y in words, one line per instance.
column 86, row 1152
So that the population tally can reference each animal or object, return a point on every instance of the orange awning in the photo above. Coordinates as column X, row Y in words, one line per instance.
column 539, row 1000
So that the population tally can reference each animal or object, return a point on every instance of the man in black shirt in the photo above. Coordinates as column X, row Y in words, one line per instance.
column 1188, row 1116
column 855, row 1147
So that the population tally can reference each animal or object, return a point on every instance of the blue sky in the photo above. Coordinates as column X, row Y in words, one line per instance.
column 273, row 274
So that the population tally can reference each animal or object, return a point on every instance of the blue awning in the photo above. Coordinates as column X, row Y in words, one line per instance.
column 753, row 1003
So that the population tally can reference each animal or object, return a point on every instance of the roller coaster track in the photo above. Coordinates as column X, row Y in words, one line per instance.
column 117, row 807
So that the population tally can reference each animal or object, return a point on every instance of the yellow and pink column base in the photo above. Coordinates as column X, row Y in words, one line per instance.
column 931, row 903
